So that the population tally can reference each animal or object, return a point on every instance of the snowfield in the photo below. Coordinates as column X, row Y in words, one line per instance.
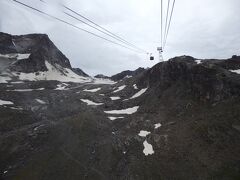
column 135, row 86
column 40, row 101
column 236, row 71
column 27, row 90
column 115, row 98
column 120, row 88
column 57, row 73
column 114, row 118
column 92, row 90
column 3, row 102
column 124, row 111
column 198, row 61
column 148, row 149
column 15, row 56
column 91, row 103
column 5, row 79
column 103, row 81
column 139, row 93
column 143, row 133
column 158, row 125
column 62, row 87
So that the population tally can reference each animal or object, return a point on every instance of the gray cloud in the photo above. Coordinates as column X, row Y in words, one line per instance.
column 204, row 29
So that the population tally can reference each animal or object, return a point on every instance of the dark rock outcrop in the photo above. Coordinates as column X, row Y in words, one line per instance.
column 123, row 74
column 101, row 76
column 80, row 72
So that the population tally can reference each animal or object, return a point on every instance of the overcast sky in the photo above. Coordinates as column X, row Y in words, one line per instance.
column 200, row 28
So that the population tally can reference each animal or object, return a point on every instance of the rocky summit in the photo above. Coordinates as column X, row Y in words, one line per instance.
column 177, row 120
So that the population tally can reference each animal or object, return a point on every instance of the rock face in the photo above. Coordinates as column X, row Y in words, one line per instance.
column 39, row 47
column 101, row 76
column 80, row 72
column 127, row 73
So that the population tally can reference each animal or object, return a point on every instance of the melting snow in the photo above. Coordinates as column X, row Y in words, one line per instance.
column 143, row 133
column 119, row 88
column 40, row 101
column 62, row 86
column 114, row 118
column 198, row 61
column 4, row 79
column 102, row 81
column 17, row 82
column 91, row 103
column 27, row 90
column 139, row 93
column 148, row 149
column 127, row 76
column 123, row 111
column 135, row 86
column 2, row 102
column 16, row 108
column 236, row 71
column 115, row 98
column 158, row 125
column 92, row 90
column 53, row 73
column 15, row 56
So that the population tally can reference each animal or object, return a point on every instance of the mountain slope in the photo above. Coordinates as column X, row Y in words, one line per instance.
column 177, row 120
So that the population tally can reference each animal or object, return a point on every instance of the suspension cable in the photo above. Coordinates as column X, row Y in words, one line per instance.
column 98, row 27
column 161, row 23
column 65, row 22
column 166, row 23
column 169, row 23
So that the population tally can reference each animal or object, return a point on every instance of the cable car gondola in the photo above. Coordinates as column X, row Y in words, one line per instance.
column 151, row 57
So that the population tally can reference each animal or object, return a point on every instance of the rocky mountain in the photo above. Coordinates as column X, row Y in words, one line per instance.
column 179, row 119
column 101, row 76
column 35, row 57
column 126, row 74
column 80, row 72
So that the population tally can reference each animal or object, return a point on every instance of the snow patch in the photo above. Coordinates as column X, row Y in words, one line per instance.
column 135, row 86
column 139, row 93
column 143, row 133
column 236, row 71
column 120, row 88
column 198, row 61
column 57, row 73
column 127, row 77
column 158, row 125
column 102, row 81
column 148, row 149
column 3, row 102
column 92, row 90
column 61, row 87
column 91, row 103
column 15, row 56
column 40, row 101
column 16, row 108
column 27, row 90
column 17, row 82
column 4, row 79
column 124, row 111
column 114, row 118
column 115, row 98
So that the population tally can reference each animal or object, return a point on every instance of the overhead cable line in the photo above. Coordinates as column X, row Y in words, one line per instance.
column 166, row 22
column 70, row 24
column 169, row 24
column 98, row 27
column 110, row 33
column 161, row 23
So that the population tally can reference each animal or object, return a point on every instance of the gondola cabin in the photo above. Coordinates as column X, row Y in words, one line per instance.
column 151, row 58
